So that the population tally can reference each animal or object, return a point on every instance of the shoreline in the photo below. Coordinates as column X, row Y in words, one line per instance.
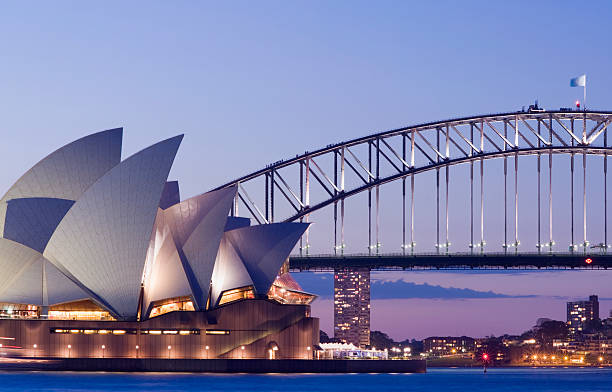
column 213, row 365
column 568, row 366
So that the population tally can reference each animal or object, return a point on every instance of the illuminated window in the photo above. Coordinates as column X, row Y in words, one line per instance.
column 78, row 310
column 130, row 331
column 171, row 305
column 217, row 332
column 237, row 294
column 182, row 332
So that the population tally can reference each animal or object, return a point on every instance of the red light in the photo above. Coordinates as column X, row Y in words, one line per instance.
column 577, row 104
column 588, row 261
column 485, row 356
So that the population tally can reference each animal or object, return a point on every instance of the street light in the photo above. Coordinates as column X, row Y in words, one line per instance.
column 69, row 347
column 103, row 348
column 169, row 348
column 137, row 350
column 207, row 348
column 242, row 348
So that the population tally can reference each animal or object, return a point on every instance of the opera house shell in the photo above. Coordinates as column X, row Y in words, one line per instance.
column 100, row 257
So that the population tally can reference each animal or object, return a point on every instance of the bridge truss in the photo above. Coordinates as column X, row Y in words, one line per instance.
column 292, row 189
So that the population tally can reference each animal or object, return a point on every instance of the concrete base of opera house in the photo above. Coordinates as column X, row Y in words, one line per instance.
column 217, row 365
column 245, row 329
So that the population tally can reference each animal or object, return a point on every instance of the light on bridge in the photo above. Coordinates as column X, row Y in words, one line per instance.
column 588, row 260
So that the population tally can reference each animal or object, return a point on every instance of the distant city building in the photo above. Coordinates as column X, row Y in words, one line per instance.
column 352, row 306
column 581, row 312
column 448, row 345
column 595, row 344
column 348, row 351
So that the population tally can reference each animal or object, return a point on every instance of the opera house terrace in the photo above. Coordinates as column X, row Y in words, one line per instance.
column 101, row 259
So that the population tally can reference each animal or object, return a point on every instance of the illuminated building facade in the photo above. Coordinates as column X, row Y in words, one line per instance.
column 352, row 306
column 585, row 344
column 438, row 346
column 349, row 351
column 100, row 257
column 581, row 312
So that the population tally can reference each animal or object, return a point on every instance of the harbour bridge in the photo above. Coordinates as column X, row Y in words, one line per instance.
column 294, row 189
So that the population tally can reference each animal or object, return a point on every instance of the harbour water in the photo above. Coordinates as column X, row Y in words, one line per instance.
column 497, row 379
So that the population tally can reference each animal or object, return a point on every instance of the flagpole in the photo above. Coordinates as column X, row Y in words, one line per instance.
column 584, row 100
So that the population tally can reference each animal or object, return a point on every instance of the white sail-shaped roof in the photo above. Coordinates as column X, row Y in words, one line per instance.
column 183, row 218
column 206, row 215
column 201, row 247
column 15, row 259
column 69, row 171
column 229, row 272
column 31, row 221
column 264, row 248
column 27, row 278
column 102, row 241
column 167, row 278
column 59, row 289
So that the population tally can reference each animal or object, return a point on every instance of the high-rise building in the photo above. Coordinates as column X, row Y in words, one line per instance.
column 352, row 306
column 581, row 312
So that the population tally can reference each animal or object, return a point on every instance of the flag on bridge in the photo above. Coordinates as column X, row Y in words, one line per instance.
column 579, row 81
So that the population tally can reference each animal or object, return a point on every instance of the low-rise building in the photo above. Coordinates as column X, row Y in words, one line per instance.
column 596, row 344
column 349, row 351
column 438, row 346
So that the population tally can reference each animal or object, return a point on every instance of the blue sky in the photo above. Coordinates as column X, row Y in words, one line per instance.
column 251, row 83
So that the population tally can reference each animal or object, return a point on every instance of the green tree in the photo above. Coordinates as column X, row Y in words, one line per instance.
column 381, row 340
column 549, row 330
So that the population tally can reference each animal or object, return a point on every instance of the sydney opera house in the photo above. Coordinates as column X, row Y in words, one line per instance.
column 101, row 258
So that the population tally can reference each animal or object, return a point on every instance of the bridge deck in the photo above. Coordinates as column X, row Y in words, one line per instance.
column 465, row 261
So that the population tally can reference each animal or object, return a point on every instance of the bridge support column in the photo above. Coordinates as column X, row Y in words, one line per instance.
column 585, row 243
column 605, row 170
column 551, row 242
column 505, row 245
column 482, row 241
column 539, row 245
column 516, row 239
column 352, row 305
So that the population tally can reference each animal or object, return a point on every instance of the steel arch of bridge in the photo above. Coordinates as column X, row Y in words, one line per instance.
column 402, row 153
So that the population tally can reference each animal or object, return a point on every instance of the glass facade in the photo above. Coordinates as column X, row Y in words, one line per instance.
column 237, row 294
column 352, row 306
column 171, row 305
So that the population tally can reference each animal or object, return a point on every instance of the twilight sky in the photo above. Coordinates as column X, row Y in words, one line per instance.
column 251, row 83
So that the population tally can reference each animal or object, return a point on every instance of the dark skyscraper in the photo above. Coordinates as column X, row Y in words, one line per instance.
column 352, row 306
column 580, row 312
